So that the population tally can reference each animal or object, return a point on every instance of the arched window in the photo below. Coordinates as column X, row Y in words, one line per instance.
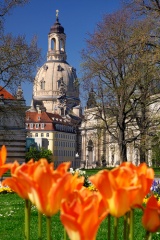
column 90, row 145
column 42, row 84
column 62, row 45
column 53, row 44
column 62, row 111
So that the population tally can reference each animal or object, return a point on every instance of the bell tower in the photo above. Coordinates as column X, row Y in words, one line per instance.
column 56, row 42
column 56, row 87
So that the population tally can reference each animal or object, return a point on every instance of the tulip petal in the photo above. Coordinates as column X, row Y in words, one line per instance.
column 151, row 217
column 3, row 155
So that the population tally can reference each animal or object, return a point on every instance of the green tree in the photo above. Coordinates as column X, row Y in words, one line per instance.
column 148, row 87
column 36, row 154
column 18, row 58
column 156, row 150
column 113, row 62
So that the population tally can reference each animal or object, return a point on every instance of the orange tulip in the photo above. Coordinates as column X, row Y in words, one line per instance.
column 81, row 214
column 42, row 185
column 3, row 155
column 49, row 186
column 103, row 206
column 61, row 188
column 141, row 177
column 146, row 177
column 116, row 198
column 151, row 216
column 123, row 187
column 4, row 167
column 17, row 182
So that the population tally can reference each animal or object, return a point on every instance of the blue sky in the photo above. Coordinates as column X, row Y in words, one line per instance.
column 78, row 17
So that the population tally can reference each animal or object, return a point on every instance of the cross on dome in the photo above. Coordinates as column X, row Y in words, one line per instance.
column 57, row 12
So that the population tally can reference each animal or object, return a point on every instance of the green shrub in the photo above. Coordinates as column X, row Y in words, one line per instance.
column 36, row 154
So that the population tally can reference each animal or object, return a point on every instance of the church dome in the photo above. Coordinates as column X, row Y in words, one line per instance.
column 57, row 27
column 50, row 79
column 56, row 85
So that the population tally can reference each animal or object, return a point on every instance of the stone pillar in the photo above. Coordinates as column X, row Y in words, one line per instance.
column 83, row 150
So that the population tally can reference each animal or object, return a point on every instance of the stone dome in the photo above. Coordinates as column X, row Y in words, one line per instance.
column 54, row 79
column 56, row 85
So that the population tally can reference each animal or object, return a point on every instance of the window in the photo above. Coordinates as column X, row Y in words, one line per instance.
column 31, row 125
column 37, row 125
column 42, row 125
column 53, row 43
column 42, row 84
column 36, row 134
column 90, row 145
column 47, row 134
column 42, row 134
column 62, row 111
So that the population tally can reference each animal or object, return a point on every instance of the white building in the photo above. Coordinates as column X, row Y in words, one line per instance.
column 98, row 145
column 51, row 131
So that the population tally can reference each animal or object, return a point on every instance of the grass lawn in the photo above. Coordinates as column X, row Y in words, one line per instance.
column 12, row 222
column 94, row 171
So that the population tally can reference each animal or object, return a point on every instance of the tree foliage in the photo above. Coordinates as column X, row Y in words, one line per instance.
column 120, row 60
column 18, row 58
column 156, row 150
column 148, row 9
column 145, row 6
column 37, row 154
column 7, row 5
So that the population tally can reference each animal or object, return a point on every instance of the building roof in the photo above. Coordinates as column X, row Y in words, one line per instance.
column 57, row 27
column 52, row 121
column 44, row 117
column 5, row 94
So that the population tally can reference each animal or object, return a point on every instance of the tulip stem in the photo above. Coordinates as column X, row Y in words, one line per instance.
column 48, row 228
column 131, row 232
column 27, row 219
column 126, row 226
column 109, row 227
column 39, row 226
column 65, row 234
column 115, row 228
column 148, row 236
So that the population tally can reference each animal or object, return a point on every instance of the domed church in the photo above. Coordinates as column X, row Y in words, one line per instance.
column 56, row 87
column 55, row 114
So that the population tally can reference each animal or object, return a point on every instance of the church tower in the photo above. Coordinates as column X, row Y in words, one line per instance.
column 56, row 87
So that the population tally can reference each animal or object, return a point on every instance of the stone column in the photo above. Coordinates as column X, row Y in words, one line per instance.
column 83, row 149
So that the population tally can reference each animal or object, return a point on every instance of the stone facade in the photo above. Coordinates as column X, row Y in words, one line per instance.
column 12, row 125
column 100, row 149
